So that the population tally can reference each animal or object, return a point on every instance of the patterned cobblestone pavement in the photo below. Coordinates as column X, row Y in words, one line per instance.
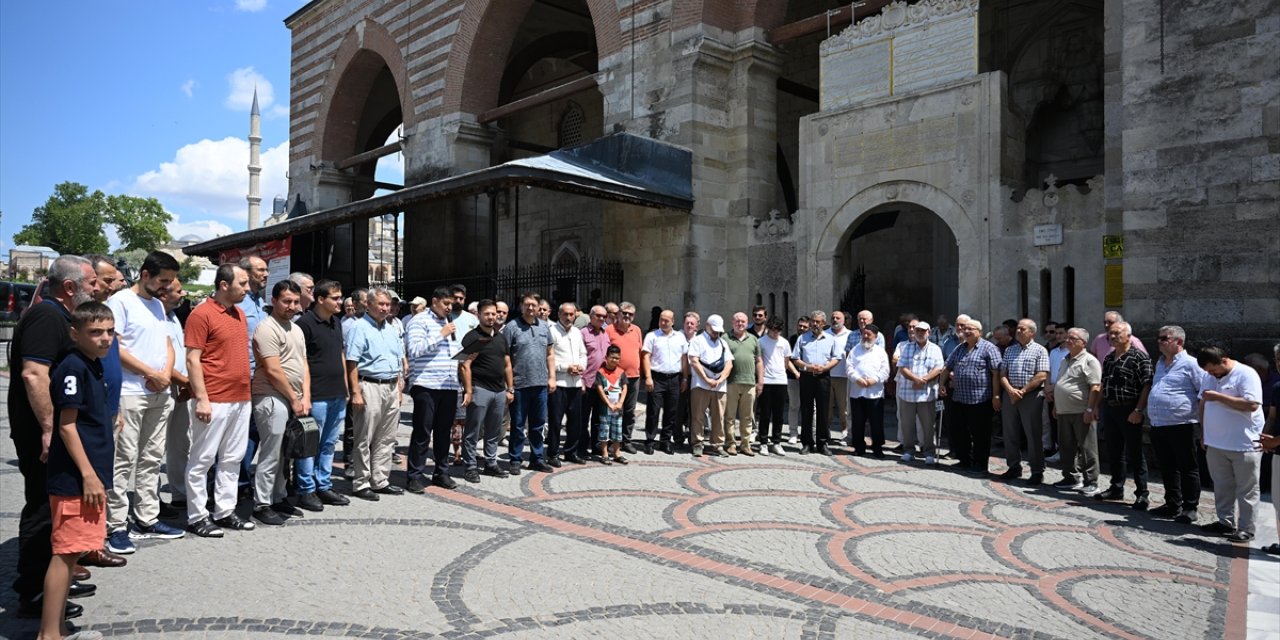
column 671, row 546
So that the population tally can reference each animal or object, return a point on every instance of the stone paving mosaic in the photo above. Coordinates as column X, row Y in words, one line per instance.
column 803, row 547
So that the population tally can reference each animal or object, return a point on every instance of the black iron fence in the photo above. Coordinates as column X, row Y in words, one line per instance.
column 586, row 283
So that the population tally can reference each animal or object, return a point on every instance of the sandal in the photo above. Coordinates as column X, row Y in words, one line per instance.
column 1273, row 549
column 605, row 460
column 620, row 460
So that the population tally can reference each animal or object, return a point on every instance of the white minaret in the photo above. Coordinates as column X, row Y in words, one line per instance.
column 255, row 163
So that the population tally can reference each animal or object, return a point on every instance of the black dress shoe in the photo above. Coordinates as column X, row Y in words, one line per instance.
column 648, row 448
column 366, row 494
column 513, row 469
column 824, row 450
column 389, row 490
column 287, row 510
column 859, row 452
column 1141, row 504
column 472, row 476
column 574, row 458
column 268, row 516
column 310, row 502
column 443, row 481
column 538, row 465
column 33, row 609
column 629, row 448
column 1036, row 479
column 1166, row 510
column 495, row 471
column 1011, row 474
column 667, row 448
column 102, row 558
column 877, row 454
column 331, row 497
column 415, row 485
column 804, row 450
column 554, row 461
column 234, row 523
column 81, row 590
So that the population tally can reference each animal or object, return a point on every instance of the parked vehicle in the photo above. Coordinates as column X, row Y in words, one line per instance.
column 15, row 297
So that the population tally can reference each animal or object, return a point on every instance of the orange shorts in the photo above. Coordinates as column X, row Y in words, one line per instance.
column 77, row 528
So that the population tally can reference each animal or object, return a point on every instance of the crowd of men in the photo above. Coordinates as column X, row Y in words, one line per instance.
column 208, row 401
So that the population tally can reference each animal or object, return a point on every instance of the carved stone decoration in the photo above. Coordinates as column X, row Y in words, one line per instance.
column 776, row 228
column 969, row 197
column 897, row 15
column 1051, row 191
column 891, row 192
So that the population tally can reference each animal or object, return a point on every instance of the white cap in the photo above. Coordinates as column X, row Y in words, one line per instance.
column 715, row 323
column 923, row 325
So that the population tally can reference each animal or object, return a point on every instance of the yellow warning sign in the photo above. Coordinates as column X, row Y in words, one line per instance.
column 1113, row 285
column 1112, row 247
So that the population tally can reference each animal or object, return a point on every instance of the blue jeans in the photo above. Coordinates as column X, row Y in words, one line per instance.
column 530, row 405
column 314, row 474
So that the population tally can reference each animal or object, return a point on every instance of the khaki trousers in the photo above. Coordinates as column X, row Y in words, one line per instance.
column 375, row 435
column 700, row 400
column 139, row 453
column 740, row 405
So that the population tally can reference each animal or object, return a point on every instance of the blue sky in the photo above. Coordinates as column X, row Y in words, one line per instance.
column 145, row 98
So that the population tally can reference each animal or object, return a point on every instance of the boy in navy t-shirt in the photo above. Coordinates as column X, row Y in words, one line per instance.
column 80, row 457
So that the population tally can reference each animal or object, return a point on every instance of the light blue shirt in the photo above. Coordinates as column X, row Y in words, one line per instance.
column 431, row 363
column 254, row 308
column 819, row 350
column 376, row 350
column 1175, row 392
column 920, row 360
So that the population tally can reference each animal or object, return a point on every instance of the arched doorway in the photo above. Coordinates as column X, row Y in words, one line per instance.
column 900, row 257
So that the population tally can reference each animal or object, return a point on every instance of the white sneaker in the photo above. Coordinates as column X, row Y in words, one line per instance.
column 795, row 438
column 776, row 449
column 1089, row 490
column 930, row 460
column 906, row 457
column 764, row 449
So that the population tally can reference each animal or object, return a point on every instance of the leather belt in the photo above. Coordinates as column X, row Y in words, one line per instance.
column 379, row 380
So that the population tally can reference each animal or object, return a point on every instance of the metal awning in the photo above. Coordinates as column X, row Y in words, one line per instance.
column 621, row 167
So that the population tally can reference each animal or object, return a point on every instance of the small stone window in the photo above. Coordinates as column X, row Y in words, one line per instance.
column 571, row 122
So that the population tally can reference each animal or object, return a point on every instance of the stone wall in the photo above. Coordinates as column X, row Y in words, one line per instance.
column 1200, row 145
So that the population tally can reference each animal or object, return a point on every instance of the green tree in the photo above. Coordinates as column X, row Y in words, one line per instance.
column 70, row 221
column 189, row 271
column 141, row 222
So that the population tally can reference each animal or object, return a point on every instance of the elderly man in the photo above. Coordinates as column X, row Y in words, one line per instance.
column 1126, row 380
column 744, row 385
column 595, row 339
column 1102, row 343
column 533, row 367
column 1231, row 407
column 868, row 367
column 566, row 403
column 1075, row 395
column 663, row 365
column 815, row 355
column 865, row 318
column 684, row 423
column 307, row 285
column 920, row 364
column 628, row 337
column 376, row 366
column 839, row 378
column 1173, row 409
column 431, row 342
column 40, row 340
column 711, row 364
column 1024, row 369
column 974, row 370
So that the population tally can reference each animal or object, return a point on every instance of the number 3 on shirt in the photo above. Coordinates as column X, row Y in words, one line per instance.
column 69, row 386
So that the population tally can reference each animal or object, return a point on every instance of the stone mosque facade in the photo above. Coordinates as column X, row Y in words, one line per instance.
column 1046, row 158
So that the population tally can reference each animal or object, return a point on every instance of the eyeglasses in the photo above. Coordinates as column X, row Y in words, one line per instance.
column 1166, row 338
column 628, row 314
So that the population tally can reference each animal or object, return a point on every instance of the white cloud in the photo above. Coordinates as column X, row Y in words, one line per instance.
column 241, row 84
column 208, row 179
column 251, row 6
column 203, row 229
column 188, row 87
